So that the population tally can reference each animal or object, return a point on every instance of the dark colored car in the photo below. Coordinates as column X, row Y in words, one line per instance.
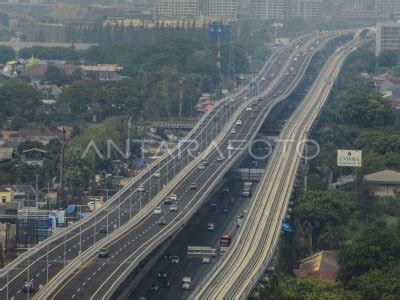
column 165, row 284
column 162, row 274
column 153, row 287
column 103, row 229
column 103, row 252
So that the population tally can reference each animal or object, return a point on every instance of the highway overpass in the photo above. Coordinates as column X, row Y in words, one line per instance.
column 67, row 263
column 236, row 275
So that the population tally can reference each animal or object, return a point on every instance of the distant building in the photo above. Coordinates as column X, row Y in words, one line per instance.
column 6, row 153
column 5, row 195
column 42, row 135
column 103, row 72
column 387, row 36
column 46, row 32
column 280, row 9
column 223, row 11
column 34, row 157
column 176, row 9
column 384, row 183
column 33, row 226
column 22, row 193
column 368, row 9
column 322, row 265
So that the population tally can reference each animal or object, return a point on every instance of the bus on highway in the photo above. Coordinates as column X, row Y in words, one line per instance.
column 202, row 251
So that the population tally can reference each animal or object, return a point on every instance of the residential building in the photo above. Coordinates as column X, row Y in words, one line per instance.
column 322, row 265
column 6, row 153
column 222, row 11
column 42, row 134
column 387, row 36
column 176, row 9
column 280, row 9
column 45, row 32
column 368, row 9
column 5, row 195
column 34, row 157
column 22, row 193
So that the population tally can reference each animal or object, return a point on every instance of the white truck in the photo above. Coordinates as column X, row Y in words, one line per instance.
column 246, row 192
column 186, row 281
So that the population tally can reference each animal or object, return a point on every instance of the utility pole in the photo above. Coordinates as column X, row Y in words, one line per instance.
column 36, row 189
column 62, row 157
column 180, row 97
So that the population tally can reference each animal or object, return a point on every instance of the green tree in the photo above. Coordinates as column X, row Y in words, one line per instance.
column 6, row 54
column 375, row 248
column 55, row 75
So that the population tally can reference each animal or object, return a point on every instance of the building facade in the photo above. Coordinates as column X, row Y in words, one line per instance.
column 280, row 9
column 176, row 9
column 222, row 11
column 387, row 36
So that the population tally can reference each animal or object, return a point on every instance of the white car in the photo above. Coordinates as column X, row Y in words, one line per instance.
column 157, row 174
column 173, row 197
column 158, row 211
column 249, row 109
column 233, row 131
column 201, row 166
column 141, row 188
column 230, row 147
column 239, row 122
column 173, row 208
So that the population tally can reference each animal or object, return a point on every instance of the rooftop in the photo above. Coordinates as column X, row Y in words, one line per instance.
column 383, row 177
column 322, row 265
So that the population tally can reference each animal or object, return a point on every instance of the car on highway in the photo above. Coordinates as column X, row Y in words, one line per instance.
column 161, row 221
column 157, row 211
column 173, row 197
column 157, row 174
column 103, row 229
column 175, row 259
column 162, row 274
column 104, row 252
column 165, row 284
column 167, row 201
column 239, row 122
column 193, row 186
column 201, row 166
column 206, row 260
column 141, row 188
column 28, row 287
column 173, row 208
column 233, row 131
column 186, row 282
column 153, row 287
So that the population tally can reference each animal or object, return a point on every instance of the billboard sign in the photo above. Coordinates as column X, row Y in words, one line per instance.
column 349, row 158
column 61, row 218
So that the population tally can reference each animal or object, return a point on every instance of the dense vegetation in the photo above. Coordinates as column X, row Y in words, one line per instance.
column 95, row 109
column 362, row 227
